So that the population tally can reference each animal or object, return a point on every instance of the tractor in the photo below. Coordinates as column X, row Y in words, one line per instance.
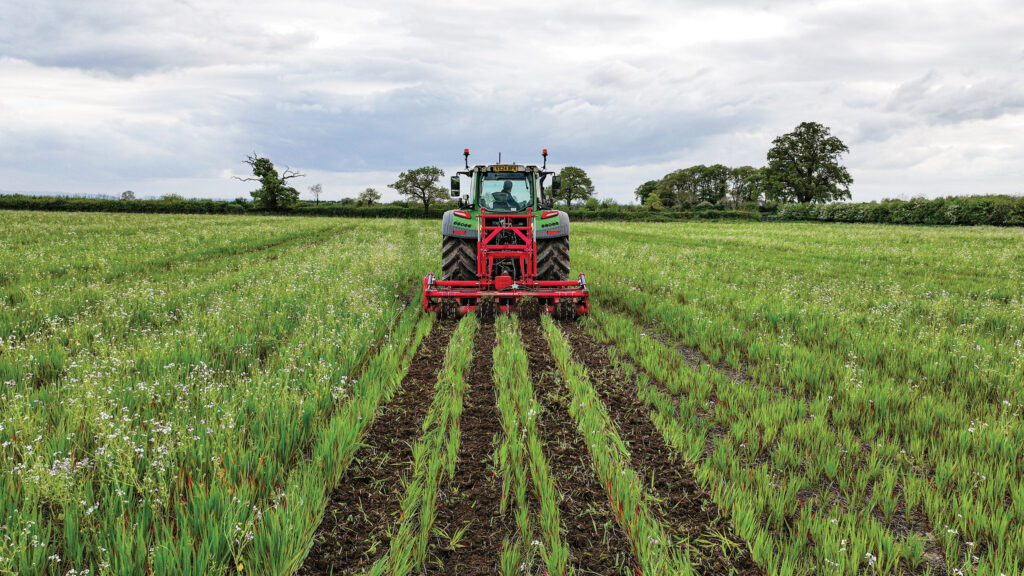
column 505, row 247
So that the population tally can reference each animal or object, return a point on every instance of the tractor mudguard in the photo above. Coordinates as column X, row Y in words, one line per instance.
column 448, row 228
column 545, row 230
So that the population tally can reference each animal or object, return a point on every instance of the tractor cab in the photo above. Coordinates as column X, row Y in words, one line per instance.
column 504, row 188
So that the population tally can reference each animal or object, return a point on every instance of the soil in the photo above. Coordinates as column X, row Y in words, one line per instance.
column 363, row 507
column 473, row 499
column 681, row 503
column 596, row 542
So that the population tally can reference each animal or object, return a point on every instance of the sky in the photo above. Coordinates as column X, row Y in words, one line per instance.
column 163, row 97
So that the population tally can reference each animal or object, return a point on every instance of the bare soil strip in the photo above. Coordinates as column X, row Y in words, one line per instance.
column 597, row 544
column 472, row 501
column 686, row 509
column 360, row 512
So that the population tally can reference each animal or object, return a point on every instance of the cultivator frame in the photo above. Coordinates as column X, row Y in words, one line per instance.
column 505, row 293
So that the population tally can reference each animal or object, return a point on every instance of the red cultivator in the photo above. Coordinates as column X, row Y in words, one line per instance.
column 506, row 262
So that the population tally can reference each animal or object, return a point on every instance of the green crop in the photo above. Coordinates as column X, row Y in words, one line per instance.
column 180, row 394
column 851, row 375
column 522, row 450
column 434, row 458
column 652, row 545
column 177, row 421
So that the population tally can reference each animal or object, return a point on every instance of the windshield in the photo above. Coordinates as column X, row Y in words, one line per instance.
column 505, row 191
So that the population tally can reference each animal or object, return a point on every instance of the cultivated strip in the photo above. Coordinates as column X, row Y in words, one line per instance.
column 597, row 543
column 362, row 508
column 683, row 506
column 470, row 524
column 655, row 550
column 434, row 459
column 753, row 476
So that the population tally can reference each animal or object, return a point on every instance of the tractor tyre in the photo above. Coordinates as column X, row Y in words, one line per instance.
column 553, row 259
column 458, row 259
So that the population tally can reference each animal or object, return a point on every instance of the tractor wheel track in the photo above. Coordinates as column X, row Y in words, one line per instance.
column 361, row 510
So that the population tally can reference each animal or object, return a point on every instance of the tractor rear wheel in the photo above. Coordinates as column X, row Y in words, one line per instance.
column 553, row 259
column 458, row 259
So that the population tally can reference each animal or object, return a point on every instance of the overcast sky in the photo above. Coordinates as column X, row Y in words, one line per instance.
column 169, row 97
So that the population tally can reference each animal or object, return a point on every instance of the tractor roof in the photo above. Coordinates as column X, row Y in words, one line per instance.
column 505, row 168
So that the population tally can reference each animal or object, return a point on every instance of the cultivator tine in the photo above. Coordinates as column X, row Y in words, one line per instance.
column 486, row 308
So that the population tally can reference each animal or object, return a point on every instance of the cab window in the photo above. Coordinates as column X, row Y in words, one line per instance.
column 505, row 192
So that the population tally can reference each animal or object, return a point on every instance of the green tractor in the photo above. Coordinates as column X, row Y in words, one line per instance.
column 503, row 243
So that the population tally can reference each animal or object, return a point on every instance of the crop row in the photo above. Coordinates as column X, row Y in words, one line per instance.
column 522, row 463
column 653, row 547
column 434, row 457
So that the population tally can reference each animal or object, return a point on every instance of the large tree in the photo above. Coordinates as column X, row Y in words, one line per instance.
column 421, row 184
column 274, row 194
column 576, row 185
column 803, row 166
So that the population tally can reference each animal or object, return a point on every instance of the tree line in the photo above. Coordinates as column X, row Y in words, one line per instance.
column 803, row 167
column 954, row 210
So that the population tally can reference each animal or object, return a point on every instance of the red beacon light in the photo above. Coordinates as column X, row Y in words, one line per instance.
column 465, row 154
column 544, row 153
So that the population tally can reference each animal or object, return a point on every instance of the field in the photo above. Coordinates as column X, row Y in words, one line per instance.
column 220, row 394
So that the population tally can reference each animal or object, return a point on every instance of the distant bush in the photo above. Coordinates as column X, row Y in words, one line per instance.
column 175, row 204
column 952, row 210
column 638, row 214
column 172, row 204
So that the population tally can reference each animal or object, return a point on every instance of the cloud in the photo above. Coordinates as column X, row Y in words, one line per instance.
column 157, row 94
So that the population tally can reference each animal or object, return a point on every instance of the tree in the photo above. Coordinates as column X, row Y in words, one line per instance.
column 653, row 203
column 803, row 166
column 273, row 194
column 678, row 188
column 370, row 196
column 708, row 183
column 127, row 195
column 421, row 184
column 745, row 185
column 576, row 185
column 316, row 190
column 172, row 198
column 644, row 190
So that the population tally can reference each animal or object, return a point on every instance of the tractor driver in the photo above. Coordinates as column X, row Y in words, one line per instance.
column 503, row 200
